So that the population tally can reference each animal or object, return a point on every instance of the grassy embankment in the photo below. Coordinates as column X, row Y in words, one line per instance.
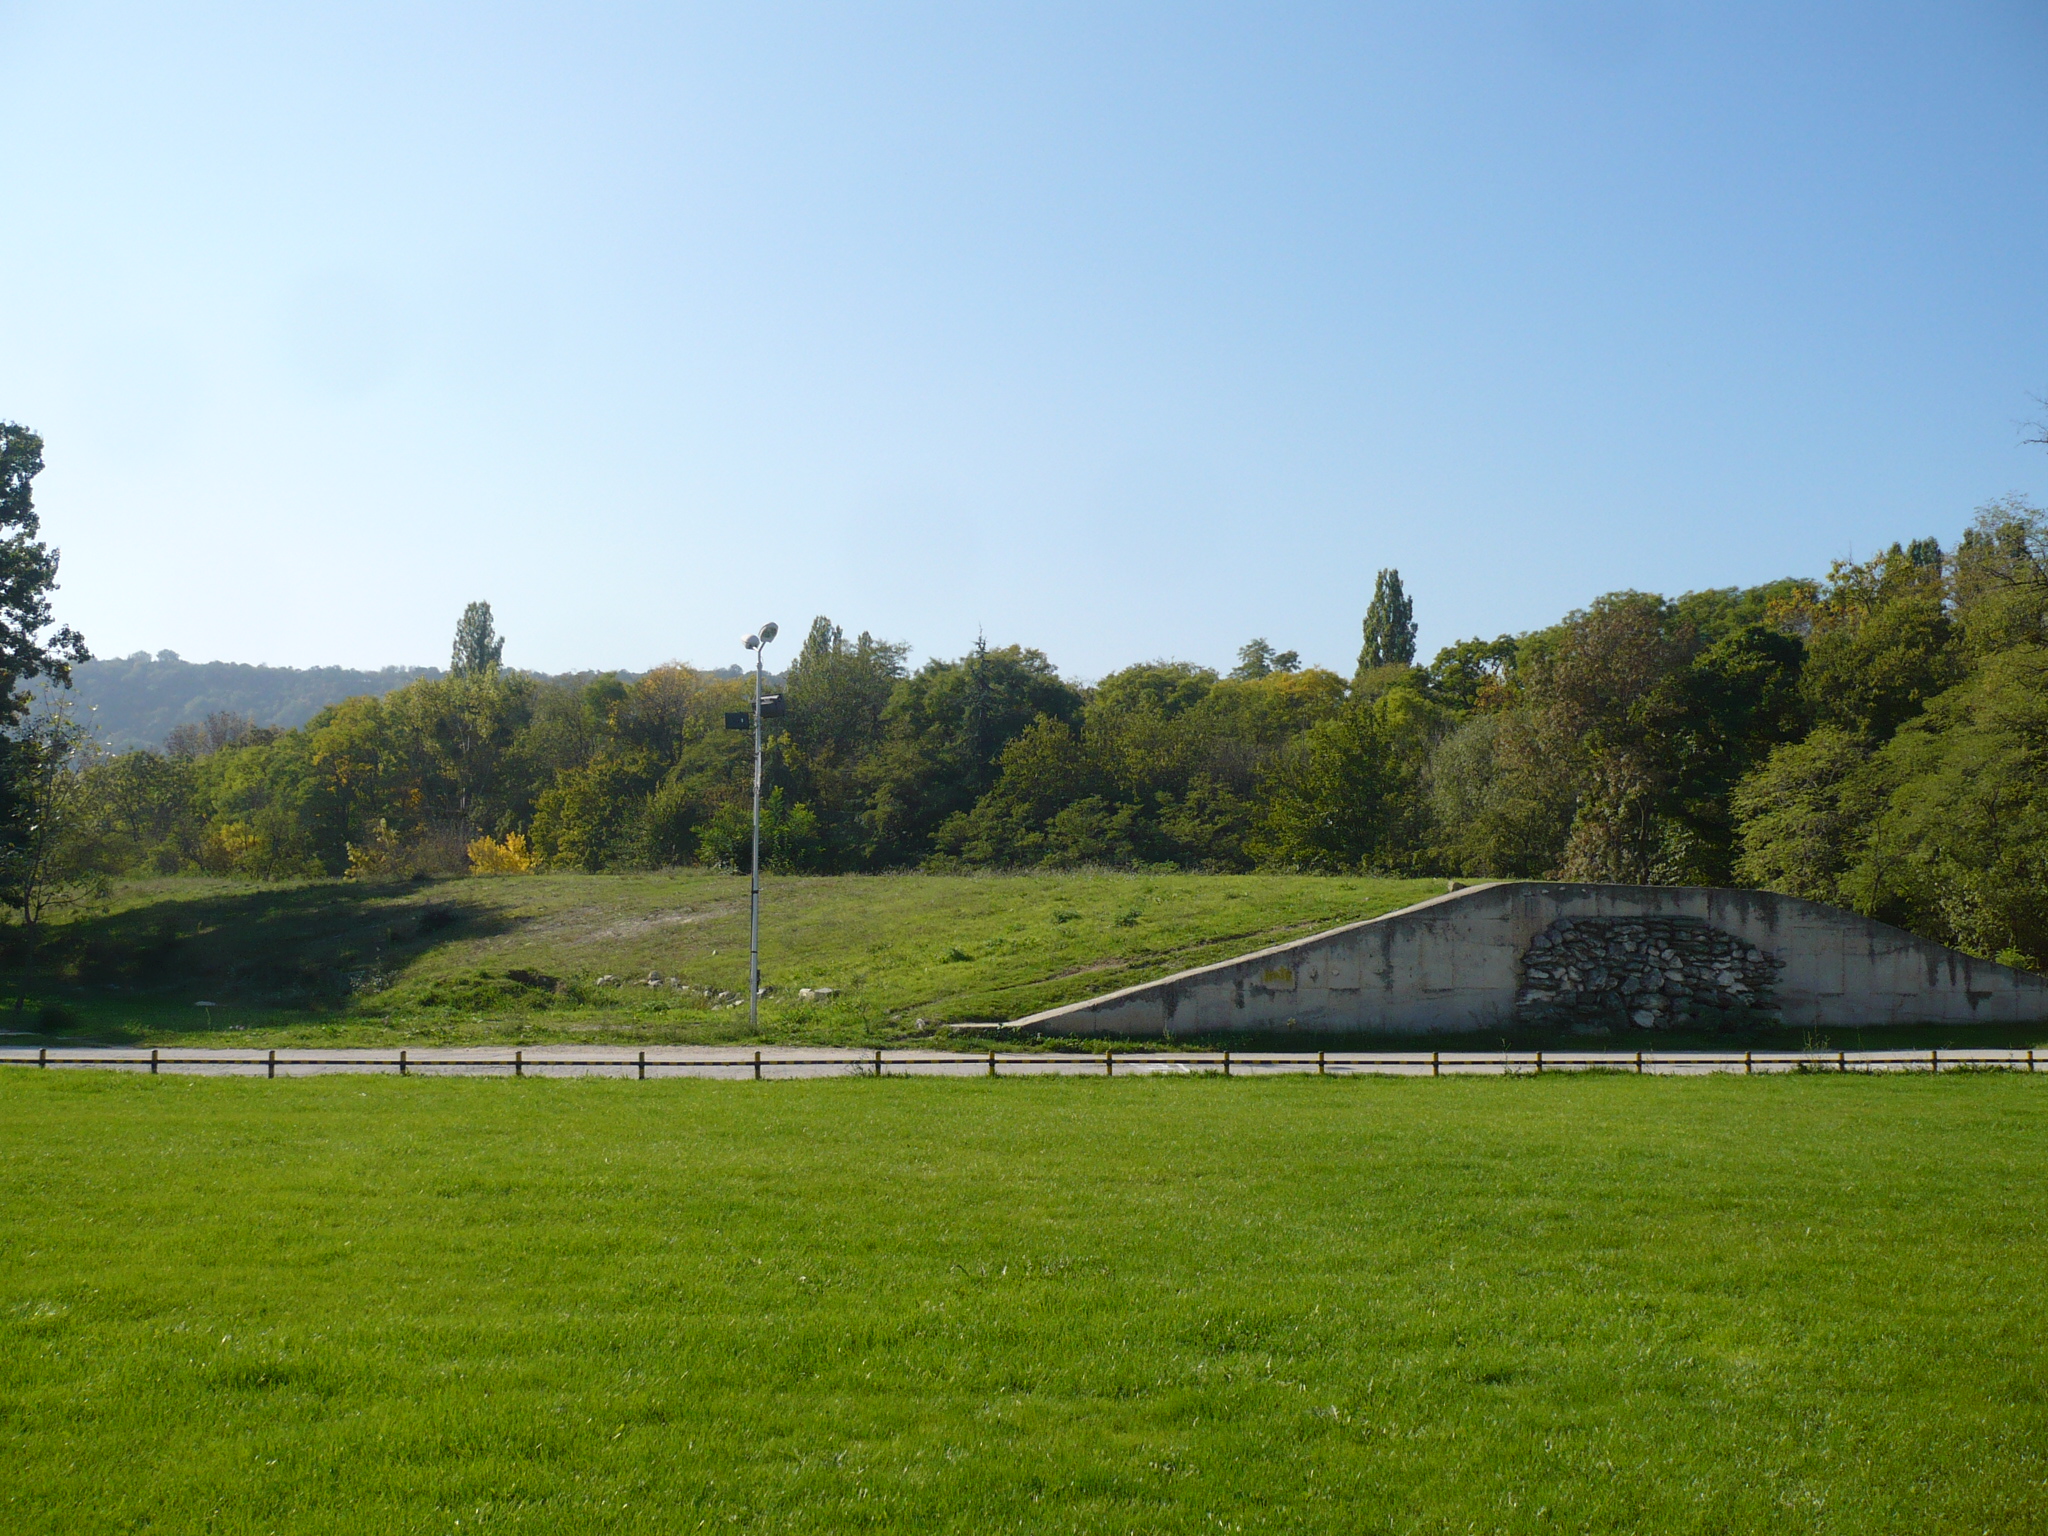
column 518, row 960
column 330, row 963
column 1581, row 1304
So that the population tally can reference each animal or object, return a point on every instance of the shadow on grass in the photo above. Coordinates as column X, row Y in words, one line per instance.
column 260, row 954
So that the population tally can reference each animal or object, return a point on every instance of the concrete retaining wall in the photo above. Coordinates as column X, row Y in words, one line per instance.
column 1522, row 952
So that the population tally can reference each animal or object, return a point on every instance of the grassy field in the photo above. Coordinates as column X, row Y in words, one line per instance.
column 1566, row 1303
column 520, row 959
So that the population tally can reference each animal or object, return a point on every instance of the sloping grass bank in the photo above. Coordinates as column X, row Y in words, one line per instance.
column 526, row 958
column 1584, row 1304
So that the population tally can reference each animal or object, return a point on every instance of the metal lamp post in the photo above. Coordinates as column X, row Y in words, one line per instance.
column 757, row 643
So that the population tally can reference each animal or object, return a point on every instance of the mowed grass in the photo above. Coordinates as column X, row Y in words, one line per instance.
column 333, row 963
column 1561, row 1303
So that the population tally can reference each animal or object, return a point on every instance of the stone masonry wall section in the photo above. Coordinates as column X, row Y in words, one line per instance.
column 1597, row 956
column 1653, row 973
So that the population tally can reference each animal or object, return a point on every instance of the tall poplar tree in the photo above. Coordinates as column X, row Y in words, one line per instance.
column 1389, row 625
column 478, row 645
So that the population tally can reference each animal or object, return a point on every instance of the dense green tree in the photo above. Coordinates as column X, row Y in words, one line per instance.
column 1165, row 690
column 29, row 647
column 1161, row 769
column 53, row 862
column 1146, row 727
column 595, row 817
column 269, row 812
column 1334, row 799
column 791, row 841
column 1256, row 658
column 1715, row 613
column 838, row 693
column 944, row 732
column 1046, row 770
column 1607, row 748
column 644, row 768
column 1727, row 711
column 146, row 810
column 1875, row 672
column 465, row 727
column 1058, row 786
column 1501, row 798
column 1600, row 687
column 1804, row 814
column 2000, row 581
column 839, row 690
column 363, row 779
column 1879, row 638
column 479, row 648
column 1389, row 625
column 1959, row 846
column 1473, row 674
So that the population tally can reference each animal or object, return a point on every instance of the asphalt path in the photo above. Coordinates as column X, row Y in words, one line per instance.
column 779, row 1063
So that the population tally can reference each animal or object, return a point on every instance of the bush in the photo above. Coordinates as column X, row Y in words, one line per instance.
column 471, row 992
column 433, row 919
column 55, row 1017
column 508, row 855
column 673, row 824
column 791, row 843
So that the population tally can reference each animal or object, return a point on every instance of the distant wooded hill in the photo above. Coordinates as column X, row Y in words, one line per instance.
column 134, row 701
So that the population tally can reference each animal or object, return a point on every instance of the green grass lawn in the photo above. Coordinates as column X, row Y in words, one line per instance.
column 331, row 963
column 1562, row 1303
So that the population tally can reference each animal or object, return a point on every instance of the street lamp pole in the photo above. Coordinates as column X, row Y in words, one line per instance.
column 757, row 643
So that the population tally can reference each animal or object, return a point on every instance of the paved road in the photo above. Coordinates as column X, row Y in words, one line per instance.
column 825, row 1061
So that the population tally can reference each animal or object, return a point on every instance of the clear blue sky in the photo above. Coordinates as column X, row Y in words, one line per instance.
column 1120, row 330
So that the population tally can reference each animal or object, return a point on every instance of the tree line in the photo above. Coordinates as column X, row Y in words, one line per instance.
column 1872, row 738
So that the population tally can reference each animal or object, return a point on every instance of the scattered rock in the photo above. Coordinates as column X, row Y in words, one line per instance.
column 607, row 981
column 817, row 994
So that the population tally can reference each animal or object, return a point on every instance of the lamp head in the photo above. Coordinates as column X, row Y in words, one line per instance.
column 753, row 642
column 767, row 632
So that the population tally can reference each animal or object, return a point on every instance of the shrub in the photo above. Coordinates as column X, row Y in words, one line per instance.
column 54, row 1017
column 791, row 842
column 508, row 855
column 379, row 858
column 433, row 919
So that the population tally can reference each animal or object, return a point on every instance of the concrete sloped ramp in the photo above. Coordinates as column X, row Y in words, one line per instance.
column 1519, row 952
